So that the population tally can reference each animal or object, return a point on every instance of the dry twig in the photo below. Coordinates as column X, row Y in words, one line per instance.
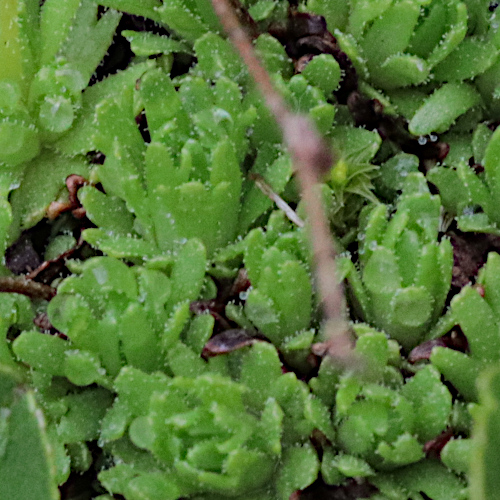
column 73, row 183
column 261, row 183
column 312, row 158
column 27, row 287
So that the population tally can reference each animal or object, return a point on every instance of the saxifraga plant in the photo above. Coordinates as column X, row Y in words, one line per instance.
column 48, row 56
column 471, row 196
column 121, row 389
column 405, row 274
column 134, row 367
column 475, row 310
column 383, row 420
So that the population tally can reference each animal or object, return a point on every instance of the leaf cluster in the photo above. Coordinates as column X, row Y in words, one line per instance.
column 118, row 385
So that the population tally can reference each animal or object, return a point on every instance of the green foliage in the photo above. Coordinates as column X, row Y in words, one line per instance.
column 474, row 197
column 431, row 39
column 188, row 185
column 27, row 462
column 51, row 53
column 16, row 312
column 405, row 274
column 280, row 302
column 427, row 477
column 442, row 108
column 324, row 72
column 449, row 49
column 478, row 318
column 382, row 420
column 484, row 456
column 178, row 215
column 114, row 315
column 210, row 433
column 349, row 183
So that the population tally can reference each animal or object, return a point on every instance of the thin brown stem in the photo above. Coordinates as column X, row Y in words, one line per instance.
column 312, row 158
column 261, row 183
column 30, row 288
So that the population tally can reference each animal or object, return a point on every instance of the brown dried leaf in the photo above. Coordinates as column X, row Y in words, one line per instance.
column 433, row 448
column 455, row 340
column 241, row 283
column 423, row 351
column 226, row 342
column 73, row 182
